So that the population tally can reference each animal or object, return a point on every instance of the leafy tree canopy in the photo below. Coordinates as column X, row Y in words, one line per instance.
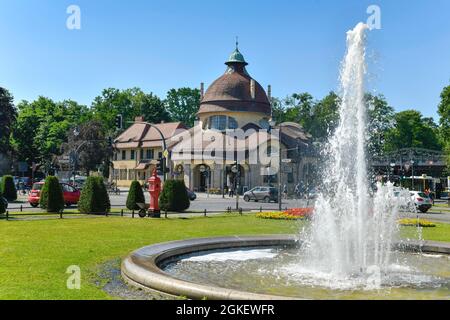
column 412, row 130
column 8, row 114
column 182, row 105
column 130, row 103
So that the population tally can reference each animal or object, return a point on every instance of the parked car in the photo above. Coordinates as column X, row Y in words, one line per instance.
column 445, row 195
column 266, row 194
column 191, row 194
column 71, row 194
column 422, row 201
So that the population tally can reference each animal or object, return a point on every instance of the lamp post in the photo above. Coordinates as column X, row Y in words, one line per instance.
column 392, row 169
column 236, row 170
column 164, row 145
column 412, row 172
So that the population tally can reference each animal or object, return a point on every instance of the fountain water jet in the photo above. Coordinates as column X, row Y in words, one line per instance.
column 351, row 233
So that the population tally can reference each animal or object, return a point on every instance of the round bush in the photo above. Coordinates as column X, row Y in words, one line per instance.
column 52, row 197
column 174, row 196
column 8, row 189
column 135, row 196
column 94, row 198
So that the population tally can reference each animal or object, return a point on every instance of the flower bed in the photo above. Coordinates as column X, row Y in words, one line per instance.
column 416, row 222
column 291, row 214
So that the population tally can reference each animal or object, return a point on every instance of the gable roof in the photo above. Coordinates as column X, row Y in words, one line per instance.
column 142, row 135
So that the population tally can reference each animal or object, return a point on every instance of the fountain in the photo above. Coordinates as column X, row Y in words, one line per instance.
column 350, row 251
column 351, row 236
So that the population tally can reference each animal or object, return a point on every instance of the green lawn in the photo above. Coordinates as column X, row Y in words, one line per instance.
column 34, row 255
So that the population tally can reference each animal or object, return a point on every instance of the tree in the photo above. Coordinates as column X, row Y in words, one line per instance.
column 325, row 117
column 8, row 115
column 182, row 105
column 319, row 118
column 412, row 131
column 380, row 121
column 88, row 146
column 8, row 189
column 52, row 197
column 135, row 196
column 444, row 121
column 94, row 197
column 174, row 196
column 42, row 127
column 130, row 103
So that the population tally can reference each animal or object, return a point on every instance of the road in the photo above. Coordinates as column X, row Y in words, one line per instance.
column 215, row 203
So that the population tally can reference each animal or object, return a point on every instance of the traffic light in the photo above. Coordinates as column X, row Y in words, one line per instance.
column 160, row 166
column 119, row 121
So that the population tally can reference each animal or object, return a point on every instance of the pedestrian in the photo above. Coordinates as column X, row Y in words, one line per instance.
column 231, row 188
column 285, row 192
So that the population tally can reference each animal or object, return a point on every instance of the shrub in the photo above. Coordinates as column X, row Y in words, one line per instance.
column 135, row 196
column 94, row 198
column 52, row 198
column 8, row 189
column 2, row 205
column 174, row 196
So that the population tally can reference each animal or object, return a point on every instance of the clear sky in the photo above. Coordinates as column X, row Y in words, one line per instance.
column 296, row 46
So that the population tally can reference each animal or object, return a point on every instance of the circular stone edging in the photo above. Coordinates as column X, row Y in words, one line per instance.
column 143, row 268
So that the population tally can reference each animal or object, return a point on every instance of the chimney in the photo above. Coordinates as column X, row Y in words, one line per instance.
column 253, row 89
column 269, row 92
column 202, row 90
column 139, row 119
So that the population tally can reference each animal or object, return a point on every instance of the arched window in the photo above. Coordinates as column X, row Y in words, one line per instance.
column 232, row 123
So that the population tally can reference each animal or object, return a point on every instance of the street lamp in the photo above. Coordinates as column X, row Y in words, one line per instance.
column 236, row 170
column 412, row 172
column 391, row 171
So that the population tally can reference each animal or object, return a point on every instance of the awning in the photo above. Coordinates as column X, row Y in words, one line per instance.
column 142, row 166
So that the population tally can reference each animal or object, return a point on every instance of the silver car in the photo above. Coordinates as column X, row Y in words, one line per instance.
column 265, row 194
column 422, row 201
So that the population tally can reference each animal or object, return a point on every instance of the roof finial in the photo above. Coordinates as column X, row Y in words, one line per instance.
column 237, row 43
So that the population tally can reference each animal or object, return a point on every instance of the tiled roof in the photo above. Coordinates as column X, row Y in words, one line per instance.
column 142, row 135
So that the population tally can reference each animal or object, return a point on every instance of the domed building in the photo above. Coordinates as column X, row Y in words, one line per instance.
column 234, row 124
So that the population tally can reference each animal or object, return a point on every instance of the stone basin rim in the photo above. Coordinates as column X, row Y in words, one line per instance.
column 143, row 267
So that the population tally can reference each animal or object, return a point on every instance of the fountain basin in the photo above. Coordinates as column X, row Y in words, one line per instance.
column 146, row 267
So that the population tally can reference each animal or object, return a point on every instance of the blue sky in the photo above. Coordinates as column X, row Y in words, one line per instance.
column 296, row 46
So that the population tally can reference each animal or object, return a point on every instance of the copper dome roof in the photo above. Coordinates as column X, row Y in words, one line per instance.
column 233, row 91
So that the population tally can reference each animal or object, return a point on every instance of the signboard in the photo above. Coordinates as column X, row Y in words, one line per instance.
column 286, row 160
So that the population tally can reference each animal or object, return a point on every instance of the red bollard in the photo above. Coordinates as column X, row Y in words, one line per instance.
column 154, row 187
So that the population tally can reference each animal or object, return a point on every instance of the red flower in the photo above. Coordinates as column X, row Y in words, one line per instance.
column 300, row 212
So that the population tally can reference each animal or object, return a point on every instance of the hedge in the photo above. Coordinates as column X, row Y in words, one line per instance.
column 174, row 196
column 52, row 197
column 135, row 196
column 94, row 197
column 2, row 205
column 8, row 189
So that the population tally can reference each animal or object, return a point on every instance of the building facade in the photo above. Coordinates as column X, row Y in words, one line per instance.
column 137, row 150
column 218, row 153
column 207, row 157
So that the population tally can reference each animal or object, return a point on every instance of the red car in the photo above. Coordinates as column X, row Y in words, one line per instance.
column 71, row 195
